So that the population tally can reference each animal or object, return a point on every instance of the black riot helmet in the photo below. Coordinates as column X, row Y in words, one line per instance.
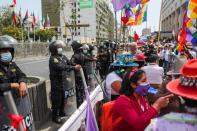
column 107, row 44
column 91, row 48
column 76, row 46
column 53, row 47
column 7, row 45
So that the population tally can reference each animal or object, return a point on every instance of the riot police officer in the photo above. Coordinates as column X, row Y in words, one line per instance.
column 80, row 58
column 11, row 79
column 59, row 66
column 89, row 65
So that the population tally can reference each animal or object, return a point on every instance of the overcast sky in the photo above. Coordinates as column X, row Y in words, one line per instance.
column 35, row 6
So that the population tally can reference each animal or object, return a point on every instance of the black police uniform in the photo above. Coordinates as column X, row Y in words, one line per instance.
column 59, row 67
column 103, row 61
column 79, row 58
column 10, row 73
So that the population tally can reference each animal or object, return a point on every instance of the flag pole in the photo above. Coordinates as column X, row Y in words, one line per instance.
column 159, row 33
column 34, row 35
column 116, row 27
column 86, row 90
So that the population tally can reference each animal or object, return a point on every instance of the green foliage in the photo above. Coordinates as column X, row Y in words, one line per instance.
column 45, row 35
column 5, row 18
column 131, row 39
column 14, row 32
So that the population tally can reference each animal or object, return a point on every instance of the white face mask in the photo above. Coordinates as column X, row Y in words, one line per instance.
column 59, row 51
column 85, row 51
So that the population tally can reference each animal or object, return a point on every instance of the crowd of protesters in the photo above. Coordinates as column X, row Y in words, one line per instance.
column 147, row 82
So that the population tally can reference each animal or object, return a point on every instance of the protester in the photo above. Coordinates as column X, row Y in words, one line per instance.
column 165, row 54
column 185, row 87
column 59, row 66
column 114, row 78
column 159, row 53
column 133, row 49
column 131, row 111
column 153, row 72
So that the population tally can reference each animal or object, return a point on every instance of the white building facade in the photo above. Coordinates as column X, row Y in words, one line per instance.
column 99, row 18
column 172, row 13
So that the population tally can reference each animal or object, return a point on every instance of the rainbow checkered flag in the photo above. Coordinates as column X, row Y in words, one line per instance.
column 192, row 9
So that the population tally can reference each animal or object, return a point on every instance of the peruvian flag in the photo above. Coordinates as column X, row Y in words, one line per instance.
column 34, row 21
column 13, row 3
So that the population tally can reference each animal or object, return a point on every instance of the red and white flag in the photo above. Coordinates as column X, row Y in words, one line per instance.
column 13, row 3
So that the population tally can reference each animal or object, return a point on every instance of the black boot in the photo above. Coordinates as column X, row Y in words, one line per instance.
column 62, row 114
column 57, row 120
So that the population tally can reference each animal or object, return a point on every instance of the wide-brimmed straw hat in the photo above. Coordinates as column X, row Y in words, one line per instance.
column 186, row 85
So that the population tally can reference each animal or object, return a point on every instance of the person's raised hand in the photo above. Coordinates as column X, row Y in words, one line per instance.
column 162, row 102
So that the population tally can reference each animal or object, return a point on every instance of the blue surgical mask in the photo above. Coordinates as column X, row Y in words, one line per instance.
column 6, row 57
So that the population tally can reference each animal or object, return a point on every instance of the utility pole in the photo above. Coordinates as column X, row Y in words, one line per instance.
column 159, row 33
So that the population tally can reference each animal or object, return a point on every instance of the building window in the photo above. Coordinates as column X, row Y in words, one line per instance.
column 75, row 34
column 78, row 16
column 78, row 33
column 79, row 28
column 78, row 21
column 78, row 9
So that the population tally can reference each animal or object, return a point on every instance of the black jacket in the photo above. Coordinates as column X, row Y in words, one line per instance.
column 10, row 74
column 59, row 67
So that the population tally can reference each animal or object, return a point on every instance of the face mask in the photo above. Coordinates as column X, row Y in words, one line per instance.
column 85, row 51
column 59, row 51
column 6, row 57
column 142, row 89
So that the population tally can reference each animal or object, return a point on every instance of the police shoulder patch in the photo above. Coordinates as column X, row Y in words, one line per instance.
column 56, row 60
column 13, row 70
column 1, row 73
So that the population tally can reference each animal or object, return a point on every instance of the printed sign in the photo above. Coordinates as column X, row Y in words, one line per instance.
column 86, row 4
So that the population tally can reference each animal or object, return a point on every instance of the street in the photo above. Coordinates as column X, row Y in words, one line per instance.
column 38, row 66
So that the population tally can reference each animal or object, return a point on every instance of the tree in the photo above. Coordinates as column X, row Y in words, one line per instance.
column 14, row 32
column 5, row 18
column 45, row 35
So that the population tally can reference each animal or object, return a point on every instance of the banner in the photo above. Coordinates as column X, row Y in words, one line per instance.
column 86, row 4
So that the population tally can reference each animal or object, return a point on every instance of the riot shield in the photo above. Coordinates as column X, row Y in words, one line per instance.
column 15, row 113
column 89, row 68
column 70, row 95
